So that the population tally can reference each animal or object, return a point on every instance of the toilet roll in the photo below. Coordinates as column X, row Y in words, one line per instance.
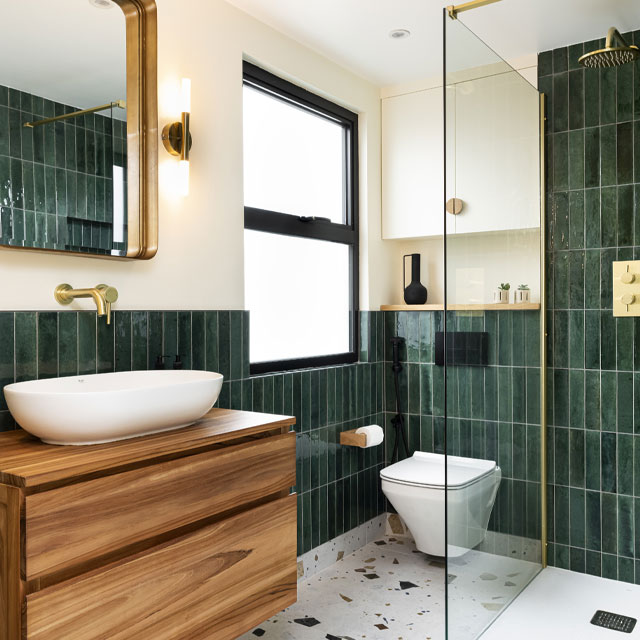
column 374, row 433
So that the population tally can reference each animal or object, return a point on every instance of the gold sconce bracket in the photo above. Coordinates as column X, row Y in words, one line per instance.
column 173, row 137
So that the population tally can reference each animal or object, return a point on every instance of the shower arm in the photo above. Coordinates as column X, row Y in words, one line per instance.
column 120, row 104
column 612, row 35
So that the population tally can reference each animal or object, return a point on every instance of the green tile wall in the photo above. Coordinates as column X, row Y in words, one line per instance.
column 593, row 218
column 493, row 412
column 338, row 487
column 56, row 180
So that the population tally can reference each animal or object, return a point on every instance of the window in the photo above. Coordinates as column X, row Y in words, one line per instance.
column 301, row 225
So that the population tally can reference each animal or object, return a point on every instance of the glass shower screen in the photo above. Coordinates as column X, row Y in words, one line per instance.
column 492, row 368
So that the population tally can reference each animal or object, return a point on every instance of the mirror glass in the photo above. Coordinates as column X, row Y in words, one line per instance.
column 63, row 182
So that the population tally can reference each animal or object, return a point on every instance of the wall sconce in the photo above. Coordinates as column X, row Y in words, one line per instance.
column 177, row 137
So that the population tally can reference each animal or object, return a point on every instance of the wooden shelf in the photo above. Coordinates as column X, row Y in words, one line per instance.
column 489, row 306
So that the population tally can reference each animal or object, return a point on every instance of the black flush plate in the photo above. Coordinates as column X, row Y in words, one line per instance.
column 613, row 621
column 463, row 348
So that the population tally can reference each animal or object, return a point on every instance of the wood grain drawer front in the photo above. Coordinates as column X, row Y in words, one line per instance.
column 214, row 584
column 74, row 525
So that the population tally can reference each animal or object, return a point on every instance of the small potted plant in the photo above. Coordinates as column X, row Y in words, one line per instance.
column 501, row 294
column 523, row 293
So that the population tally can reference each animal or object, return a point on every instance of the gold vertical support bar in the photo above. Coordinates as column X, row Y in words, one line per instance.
column 184, row 151
column 467, row 6
column 543, row 341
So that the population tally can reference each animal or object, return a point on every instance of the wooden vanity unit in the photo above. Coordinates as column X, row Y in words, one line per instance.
column 183, row 535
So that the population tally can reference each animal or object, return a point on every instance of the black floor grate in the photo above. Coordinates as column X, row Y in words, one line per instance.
column 613, row 621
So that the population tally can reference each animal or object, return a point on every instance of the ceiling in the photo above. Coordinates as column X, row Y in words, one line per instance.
column 354, row 33
column 67, row 51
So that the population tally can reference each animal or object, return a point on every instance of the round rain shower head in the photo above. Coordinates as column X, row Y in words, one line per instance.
column 611, row 56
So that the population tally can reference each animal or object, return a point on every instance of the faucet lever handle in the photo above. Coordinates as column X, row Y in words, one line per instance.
column 110, row 295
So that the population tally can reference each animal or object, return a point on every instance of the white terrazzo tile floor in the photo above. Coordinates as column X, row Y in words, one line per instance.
column 389, row 590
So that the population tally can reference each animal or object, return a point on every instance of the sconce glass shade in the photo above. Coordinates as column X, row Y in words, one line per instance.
column 185, row 96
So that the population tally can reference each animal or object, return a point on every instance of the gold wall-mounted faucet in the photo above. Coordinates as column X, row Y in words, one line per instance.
column 102, row 295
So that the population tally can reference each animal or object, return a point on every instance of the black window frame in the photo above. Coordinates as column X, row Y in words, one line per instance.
column 310, row 227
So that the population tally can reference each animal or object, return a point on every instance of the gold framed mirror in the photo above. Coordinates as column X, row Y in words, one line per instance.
column 79, row 128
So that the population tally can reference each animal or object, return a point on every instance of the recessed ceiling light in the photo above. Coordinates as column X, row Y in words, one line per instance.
column 398, row 34
column 102, row 4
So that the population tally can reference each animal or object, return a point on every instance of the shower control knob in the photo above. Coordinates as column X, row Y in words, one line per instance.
column 628, row 298
column 627, row 277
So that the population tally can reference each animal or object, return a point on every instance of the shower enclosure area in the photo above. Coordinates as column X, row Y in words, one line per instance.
column 493, row 367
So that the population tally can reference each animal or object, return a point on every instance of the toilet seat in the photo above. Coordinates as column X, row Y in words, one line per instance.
column 428, row 470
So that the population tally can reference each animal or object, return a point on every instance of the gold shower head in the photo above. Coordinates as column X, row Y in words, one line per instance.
column 611, row 56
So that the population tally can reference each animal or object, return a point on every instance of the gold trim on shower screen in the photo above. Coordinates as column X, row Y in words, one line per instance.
column 467, row 6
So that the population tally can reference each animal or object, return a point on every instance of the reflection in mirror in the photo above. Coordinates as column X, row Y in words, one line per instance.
column 63, row 129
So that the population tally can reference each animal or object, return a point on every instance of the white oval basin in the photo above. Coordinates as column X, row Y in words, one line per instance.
column 111, row 406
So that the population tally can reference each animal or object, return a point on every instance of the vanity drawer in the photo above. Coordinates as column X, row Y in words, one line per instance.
column 88, row 524
column 214, row 584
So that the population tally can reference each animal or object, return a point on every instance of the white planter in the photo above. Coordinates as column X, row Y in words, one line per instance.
column 523, row 295
column 501, row 296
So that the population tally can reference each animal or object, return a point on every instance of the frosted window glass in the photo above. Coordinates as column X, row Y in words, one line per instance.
column 297, row 291
column 293, row 159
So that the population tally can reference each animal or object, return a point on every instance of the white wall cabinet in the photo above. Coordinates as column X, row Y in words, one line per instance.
column 492, row 158
column 412, row 165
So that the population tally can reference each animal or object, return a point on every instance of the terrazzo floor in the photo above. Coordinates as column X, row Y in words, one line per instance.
column 390, row 590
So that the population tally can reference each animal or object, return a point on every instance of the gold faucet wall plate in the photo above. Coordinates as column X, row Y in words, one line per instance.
column 626, row 288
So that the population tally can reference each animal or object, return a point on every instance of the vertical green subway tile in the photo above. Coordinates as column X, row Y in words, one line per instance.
column 608, row 380
column 561, row 161
column 592, row 339
column 592, row 158
column 519, row 461
column 183, row 347
column 139, row 328
column 224, row 344
column 609, row 520
column 561, row 515
column 155, row 344
column 561, row 281
column 577, row 457
column 47, row 344
column 625, row 223
column 576, row 99
column 426, row 337
column 624, row 92
column 560, row 101
column 608, row 154
column 607, row 340
column 592, row 400
column 608, row 215
column 519, row 390
column 576, row 399
column 576, row 219
column 577, row 517
column 608, row 101
column 198, row 340
column 518, row 338
column 561, row 453
column 576, row 339
column 211, row 341
column 122, row 322
column 593, row 237
column 593, row 521
column 87, row 335
column 533, row 396
column 624, row 153
column 624, row 343
column 170, row 337
column 105, row 346
column 234, row 341
column 561, row 397
column 7, row 346
column 505, row 329
column 609, row 457
column 561, row 339
column 625, row 469
column 624, row 392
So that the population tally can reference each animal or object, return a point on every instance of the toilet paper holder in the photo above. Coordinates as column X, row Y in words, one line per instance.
column 364, row 437
column 352, row 439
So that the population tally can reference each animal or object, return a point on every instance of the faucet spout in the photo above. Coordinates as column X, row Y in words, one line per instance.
column 102, row 295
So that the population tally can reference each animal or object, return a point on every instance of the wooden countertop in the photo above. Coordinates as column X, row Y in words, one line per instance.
column 27, row 462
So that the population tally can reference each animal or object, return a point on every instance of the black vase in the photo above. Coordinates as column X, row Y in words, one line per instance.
column 414, row 292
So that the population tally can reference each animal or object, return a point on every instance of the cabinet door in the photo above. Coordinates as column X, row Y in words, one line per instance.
column 214, row 583
column 412, row 165
column 497, row 154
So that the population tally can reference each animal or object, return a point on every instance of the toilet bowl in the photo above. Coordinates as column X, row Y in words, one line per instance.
column 416, row 489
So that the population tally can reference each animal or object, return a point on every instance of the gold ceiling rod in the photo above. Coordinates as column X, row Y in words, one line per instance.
column 120, row 104
column 474, row 4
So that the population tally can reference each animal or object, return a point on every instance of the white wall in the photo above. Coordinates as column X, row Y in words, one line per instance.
column 200, row 259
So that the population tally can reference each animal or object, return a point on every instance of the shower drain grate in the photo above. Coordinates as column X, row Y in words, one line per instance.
column 613, row 621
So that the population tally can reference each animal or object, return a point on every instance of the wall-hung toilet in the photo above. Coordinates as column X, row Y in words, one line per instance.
column 416, row 489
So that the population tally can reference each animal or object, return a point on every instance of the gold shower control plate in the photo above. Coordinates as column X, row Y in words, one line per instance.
column 626, row 288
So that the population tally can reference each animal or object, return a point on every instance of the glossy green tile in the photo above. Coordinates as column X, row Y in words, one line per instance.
column 576, row 98
column 593, row 521
column 592, row 158
column 545, row 63
column 561, row 280
column 560, row 101
column 224, row 344
column 561, row 161
column 139, row 328
column 624, row 92
column 608, row 100
column 561, row 515
column 235, row 344
column 576, row 219
column 577, row 517
column 211, row 341
column 87, row 342
column 7, row 344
